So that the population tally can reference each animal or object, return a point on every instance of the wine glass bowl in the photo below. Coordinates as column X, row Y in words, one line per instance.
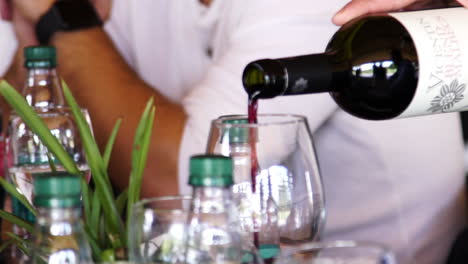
column 285, row 204
column 158, row 229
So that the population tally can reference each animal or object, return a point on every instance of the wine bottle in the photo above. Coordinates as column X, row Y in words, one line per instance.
column 379, row 66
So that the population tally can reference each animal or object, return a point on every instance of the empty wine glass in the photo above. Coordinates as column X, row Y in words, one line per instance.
column 158, row 233
column 285, row 204
column 338, row 252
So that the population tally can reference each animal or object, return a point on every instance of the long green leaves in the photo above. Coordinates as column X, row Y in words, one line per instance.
column 96, row 164
column 139, row 155
column 16, row 220
column 104, row 222
column 19, row 196
column 36, row 124
column 22, row 244
column 110, row 142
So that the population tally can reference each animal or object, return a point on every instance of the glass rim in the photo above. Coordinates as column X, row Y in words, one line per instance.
column 50, row 111
column 140, row 204
column 338, row 244
column 287, row 119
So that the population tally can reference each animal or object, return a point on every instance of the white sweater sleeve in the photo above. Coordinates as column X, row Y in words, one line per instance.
column 118, row 27
column 7, row 46
column 266, row 29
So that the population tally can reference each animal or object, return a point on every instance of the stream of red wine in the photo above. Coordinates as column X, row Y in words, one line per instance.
column 252, row 116
column 254, row 171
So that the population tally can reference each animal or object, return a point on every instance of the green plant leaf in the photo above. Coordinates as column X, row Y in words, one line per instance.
column 35, row 123
column 21, row 243
column 6, row 244
column 110, row 142
column 139, row 153
column 93, row 155
column 122, row 201
column 11, row 189
column 96, row 250
column 103, row 234
column 50, row 159
column 16, row 221
column 144, row 143
column 87, row 195
column 108, row 255
column 95, row 214
column 96, row 164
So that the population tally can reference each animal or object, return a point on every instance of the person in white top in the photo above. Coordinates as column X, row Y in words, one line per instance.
column 399, row 182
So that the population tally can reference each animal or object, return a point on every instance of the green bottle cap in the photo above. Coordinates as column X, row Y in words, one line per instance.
column 210, row 171
column 57, row 189
column 237, row 133
column 268, row 251
column 40, row 57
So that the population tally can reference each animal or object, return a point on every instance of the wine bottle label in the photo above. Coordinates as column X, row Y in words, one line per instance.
column 441, row 40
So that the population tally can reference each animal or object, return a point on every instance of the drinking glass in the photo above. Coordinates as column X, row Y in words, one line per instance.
column 158, row 231
column 338, row 252
column 278, row 189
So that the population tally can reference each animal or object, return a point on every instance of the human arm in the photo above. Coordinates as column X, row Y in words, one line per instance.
column 356, row 8
column 104, row 84
column 109, row 89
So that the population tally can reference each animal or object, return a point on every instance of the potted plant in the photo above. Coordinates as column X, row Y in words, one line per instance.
column 105, row 214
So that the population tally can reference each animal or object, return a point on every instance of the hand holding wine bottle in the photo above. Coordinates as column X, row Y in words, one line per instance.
column 356, row 8
column 379, row 67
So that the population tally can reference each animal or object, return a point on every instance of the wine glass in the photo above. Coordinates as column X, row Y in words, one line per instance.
column 338, row 252
column 158, row 233
column 158, row 229
column 285, row 204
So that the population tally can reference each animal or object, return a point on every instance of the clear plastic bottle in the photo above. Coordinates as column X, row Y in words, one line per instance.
column 212, row 232
column 59, row 235
column 42, row 88
column 248, row 205
column 25, row 152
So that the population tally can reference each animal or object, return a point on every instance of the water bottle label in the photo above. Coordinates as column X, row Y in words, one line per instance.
column 441, row 38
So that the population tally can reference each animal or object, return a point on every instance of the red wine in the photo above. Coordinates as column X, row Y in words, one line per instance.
column 372, row 66
column 252, row 118
column 268, row 251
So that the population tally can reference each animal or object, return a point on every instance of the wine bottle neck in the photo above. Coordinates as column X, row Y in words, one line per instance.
column 288, row 76
column 307, row 74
